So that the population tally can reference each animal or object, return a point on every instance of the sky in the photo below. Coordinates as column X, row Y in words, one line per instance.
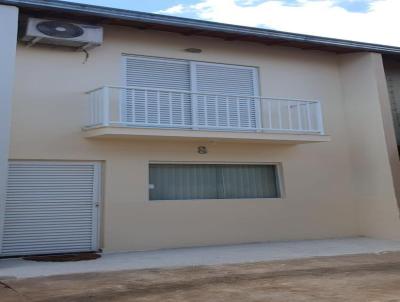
column 373, row 21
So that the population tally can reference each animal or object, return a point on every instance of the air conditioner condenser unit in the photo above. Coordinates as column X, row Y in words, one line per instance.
column 63, row 33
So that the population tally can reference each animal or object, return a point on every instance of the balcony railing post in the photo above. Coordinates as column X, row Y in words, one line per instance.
column 258, row 103
column 90, row 115
column 106, row 106
column 319, row 118
column 195, row 116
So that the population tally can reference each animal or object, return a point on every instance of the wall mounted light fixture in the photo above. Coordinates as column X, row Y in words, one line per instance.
column 194, row 50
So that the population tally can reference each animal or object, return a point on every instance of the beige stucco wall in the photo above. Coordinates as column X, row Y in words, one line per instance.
column 320, row 199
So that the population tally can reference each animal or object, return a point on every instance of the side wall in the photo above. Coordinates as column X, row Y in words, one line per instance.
column 372, row 145
column 391, row 68
column 8, row 42
column 50, row 108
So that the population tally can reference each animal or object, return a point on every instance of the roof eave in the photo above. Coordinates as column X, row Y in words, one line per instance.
column 204, row 26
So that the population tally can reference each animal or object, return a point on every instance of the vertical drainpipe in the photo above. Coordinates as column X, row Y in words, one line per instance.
column 8, row 43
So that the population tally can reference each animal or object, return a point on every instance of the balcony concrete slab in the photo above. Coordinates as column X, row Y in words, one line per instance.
column 200, row 135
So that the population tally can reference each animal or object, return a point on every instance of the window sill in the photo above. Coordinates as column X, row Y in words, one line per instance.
column 219, row 200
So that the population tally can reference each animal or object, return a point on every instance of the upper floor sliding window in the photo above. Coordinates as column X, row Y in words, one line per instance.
column 169, row 92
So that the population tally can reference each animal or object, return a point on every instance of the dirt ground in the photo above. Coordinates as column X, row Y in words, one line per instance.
column 357, row 278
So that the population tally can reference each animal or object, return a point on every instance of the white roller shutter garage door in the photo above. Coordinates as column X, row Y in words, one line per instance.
column 51, row 207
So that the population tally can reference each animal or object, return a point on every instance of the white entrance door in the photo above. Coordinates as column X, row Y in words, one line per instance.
column 51, row 207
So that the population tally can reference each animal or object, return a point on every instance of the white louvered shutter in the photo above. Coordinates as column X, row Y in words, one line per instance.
column 50, row 208
column 154, row 107
column 224, row 111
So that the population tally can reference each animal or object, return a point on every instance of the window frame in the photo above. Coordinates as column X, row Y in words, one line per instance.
column 278, row 170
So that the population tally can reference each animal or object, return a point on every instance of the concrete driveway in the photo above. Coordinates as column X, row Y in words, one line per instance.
column 356, row 278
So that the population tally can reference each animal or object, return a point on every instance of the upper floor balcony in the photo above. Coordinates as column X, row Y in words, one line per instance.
column 134, row 111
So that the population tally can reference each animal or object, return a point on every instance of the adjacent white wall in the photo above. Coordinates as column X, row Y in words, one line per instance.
column 371, row 141
column 392, row 69
column 8, row 42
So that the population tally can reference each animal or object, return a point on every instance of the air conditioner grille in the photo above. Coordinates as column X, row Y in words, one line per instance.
column 60, row 29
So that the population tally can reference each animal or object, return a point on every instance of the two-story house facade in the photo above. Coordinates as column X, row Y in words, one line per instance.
column 176, row 132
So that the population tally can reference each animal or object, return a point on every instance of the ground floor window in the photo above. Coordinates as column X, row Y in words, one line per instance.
column 212, row 181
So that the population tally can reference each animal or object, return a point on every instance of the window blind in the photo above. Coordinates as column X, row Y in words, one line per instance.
column 212, row 181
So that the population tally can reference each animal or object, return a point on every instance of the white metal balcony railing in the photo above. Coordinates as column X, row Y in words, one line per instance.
column 164, row 108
